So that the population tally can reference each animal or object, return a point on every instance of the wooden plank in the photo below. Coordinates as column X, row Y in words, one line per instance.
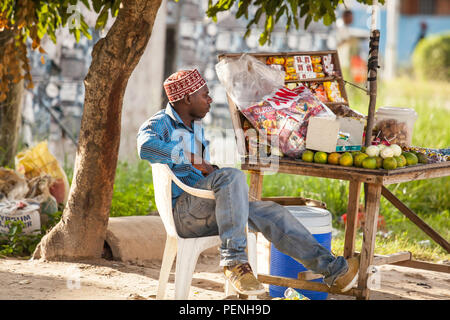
column 308, row 275
column 391, row 258
column 419, row 172
column 415, row 219
column 305, row 285
column 268, row 54
column 424, row 265
column 352, row 214
column 369, row 233
column 296, row 201
column 237, row 125
column 256, row 182
column 405, row 173
column 313, row 171
column 372, row 82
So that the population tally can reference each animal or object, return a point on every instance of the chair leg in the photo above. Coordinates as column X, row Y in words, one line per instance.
column 170, row 252
column 187, row 257
column 251, row 251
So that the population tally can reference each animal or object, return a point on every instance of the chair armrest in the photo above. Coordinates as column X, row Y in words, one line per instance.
column 202, row 193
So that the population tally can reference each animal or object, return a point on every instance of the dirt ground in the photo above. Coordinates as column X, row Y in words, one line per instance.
column 115, row 280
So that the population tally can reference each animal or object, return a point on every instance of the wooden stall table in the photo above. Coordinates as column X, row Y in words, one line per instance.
column 374, row 186
column 376, row 181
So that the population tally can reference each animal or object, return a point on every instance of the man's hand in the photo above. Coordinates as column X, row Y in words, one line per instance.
column 200, row 164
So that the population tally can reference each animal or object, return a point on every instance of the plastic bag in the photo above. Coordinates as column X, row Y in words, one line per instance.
column 247, row 80
column 35, row 161
column 282, row 117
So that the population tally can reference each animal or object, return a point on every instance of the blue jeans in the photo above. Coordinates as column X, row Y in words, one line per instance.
column 229, row 213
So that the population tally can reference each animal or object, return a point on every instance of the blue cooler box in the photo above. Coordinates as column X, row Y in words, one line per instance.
column 318, row 222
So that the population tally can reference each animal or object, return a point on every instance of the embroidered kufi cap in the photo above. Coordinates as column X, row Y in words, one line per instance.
column 183, row 82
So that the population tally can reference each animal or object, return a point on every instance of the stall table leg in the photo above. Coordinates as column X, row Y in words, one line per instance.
column 352, row 216
column 369, row 233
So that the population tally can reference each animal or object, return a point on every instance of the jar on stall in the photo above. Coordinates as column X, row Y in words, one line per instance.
column 395, row 125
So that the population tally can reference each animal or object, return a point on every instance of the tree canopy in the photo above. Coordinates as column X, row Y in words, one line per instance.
column 273, row 10
column 31, row 19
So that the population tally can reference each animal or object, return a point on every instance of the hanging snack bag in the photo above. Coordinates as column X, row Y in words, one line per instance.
column 285, row 115
column 333, row 92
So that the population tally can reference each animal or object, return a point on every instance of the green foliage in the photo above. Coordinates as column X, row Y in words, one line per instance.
column 18, row 244
column 133, row 190
column 431, row 58
column 28, row 19
column 273, row 10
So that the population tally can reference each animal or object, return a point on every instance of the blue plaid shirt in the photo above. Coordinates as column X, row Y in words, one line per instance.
column 164, row 137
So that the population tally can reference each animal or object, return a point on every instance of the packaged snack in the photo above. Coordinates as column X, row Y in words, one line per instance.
column 319, row 91
column 328, row 65
column 333, row 92
column 285, row 115
column 317, row 68
column 292, row 76
column 319, row 75
column 277, row 67
column 275, row 60
column 316, row 59
column 306, row 59
column 290, row 70
column 289, row 62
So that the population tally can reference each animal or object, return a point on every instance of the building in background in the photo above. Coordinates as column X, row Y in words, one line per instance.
column 183, row 37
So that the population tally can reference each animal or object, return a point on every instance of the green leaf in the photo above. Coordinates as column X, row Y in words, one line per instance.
column 102, row 18
column 327, row 19
column 97, row 5
column 308, row 21
column 115, row 8
column 243, row 8
column 280, row 13
column 86, row 4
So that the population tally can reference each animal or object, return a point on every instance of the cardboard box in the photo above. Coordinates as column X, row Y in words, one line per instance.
column 324, row 134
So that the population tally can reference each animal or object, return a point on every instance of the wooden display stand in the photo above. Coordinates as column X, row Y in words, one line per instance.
column 375, row 182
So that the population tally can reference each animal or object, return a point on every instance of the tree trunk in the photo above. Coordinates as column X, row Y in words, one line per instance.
column 10, row 114
column 82, row 230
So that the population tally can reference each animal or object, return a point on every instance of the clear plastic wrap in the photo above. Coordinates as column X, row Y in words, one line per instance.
column 247, row 80
column 279, row 114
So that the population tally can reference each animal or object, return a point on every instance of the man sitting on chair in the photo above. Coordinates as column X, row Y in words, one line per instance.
column 174, row 136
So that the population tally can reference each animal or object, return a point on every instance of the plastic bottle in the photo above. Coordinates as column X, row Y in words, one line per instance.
column 292, row 294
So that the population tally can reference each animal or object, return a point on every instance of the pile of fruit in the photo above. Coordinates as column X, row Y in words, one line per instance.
column 373, row 157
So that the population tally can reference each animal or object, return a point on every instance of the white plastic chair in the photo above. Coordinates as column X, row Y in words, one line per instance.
column 187, row 250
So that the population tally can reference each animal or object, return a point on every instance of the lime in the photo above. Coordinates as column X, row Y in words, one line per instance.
column 320, row 157
column 308, row 156
column 401, row 161
column 389, row 163
column 333, row 158
column 379, row 162
column 422, row 158
column 346, row 159
column 369, row 163
column 411, row 158
column 358, row 159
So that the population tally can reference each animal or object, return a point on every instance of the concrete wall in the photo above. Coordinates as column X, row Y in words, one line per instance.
column 143, row 96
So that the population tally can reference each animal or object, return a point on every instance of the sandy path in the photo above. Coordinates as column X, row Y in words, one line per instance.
column 103, row 279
